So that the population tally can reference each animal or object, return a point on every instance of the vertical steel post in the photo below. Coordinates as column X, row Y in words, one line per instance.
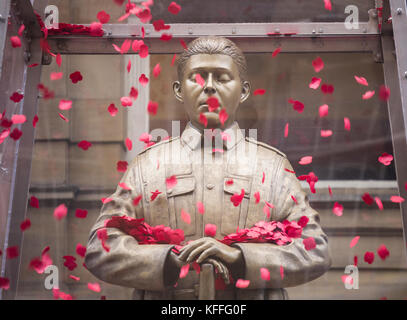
column 395, row 75
column 15, row 165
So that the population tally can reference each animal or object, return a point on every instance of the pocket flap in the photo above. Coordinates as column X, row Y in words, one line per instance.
column 184, row 185
column 237, row 186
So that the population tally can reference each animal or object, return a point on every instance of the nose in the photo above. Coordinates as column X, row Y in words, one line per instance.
column 209, row 87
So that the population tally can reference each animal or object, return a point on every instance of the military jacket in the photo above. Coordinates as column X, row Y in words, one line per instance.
column 209, row 171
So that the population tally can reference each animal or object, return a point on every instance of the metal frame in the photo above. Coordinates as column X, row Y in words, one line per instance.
column 15, row 169
column 395, row 74
column 291, row 37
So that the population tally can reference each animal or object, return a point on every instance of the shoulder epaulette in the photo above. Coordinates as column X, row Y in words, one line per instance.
column 265, row 145
column 159, row 144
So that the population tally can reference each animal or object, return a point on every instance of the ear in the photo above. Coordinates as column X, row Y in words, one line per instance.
column 176, row 86
column 245, row 91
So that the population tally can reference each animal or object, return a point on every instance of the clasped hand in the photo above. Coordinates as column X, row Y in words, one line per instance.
column 209, row 250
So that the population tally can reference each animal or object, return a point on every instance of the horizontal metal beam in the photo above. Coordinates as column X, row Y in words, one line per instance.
column 290, row 37
column 89, row 45
column 180, row 30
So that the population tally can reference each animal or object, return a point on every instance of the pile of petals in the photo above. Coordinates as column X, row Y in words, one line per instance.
column 78, row 29
column 144, row 233
column 279, row 233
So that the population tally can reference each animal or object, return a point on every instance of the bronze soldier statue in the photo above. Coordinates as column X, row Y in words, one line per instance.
column 210, row 173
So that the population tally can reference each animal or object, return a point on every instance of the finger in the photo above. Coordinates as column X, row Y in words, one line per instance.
column 216, row 264
column 206, row 254
column 196, row 252
column 190, row 243
column 188, row 248
column 222, row 269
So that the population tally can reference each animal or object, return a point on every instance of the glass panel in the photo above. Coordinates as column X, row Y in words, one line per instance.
column 65, row 174
column 287, row 77
column 219, row 11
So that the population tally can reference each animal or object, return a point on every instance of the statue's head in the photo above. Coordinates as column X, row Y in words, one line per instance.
column 222, row 67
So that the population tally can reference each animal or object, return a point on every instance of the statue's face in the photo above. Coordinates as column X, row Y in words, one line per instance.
column 222, row 81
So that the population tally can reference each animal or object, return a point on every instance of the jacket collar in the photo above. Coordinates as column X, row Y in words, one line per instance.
column 193, row 137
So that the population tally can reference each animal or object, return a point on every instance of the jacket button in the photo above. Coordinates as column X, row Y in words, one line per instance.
column 169, row 191
column 210, row 186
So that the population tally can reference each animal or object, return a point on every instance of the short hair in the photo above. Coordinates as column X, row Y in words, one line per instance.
column 213, row 45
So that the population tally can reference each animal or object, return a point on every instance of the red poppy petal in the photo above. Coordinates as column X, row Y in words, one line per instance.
column 60, row 211
column 126, row 101
column 76, row 77
column 257, row 196
column 367, row 95
column 213, row 104
column 223, row 116
column 337, row 209
column 396, row 199
column 143, row 51
column 328, row 5
column 81, row 214
column 137, row 200
column 318, row 64
column 276, row 52
column 326, row 133
column 323, row 110
column 56, row 75
column 265, row 274
column 385, row 158
column 286, row 128
column 379, row 203
column 184, row 271
column 157, row 70
column 152, row 107
column 281, row 272
column 199, row 80
column 112, row 110
column 143, row 80
column 16, row 97
column 210, row 230
column 81, row 250
column 171, row 182
column 34, row 202
column 309, row 243
column 65, row 104
column 259, row 92
column 174, row 8
column 201, row 207
column 369, row 257
column 12, row 252
column 25, row 224
column 384, row 93
column 203, row 119
column 354, row 241
column 305, row 160
column 4, row 283
column 94, row 286
column 241, row 283
column 15, row 41
column 122, row 166
column 361, row 81
column 103, row 17
column 185, row 216
column 18, row 118
column 315, row 82
column 129, row 144
column 84, row 145
column 346, row 123
column 383, row 252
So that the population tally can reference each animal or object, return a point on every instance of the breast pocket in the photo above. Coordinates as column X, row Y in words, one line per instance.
column 231, row 214
column 181, row 199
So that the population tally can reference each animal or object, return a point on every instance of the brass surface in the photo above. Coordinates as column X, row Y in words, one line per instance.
column 202, row 175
